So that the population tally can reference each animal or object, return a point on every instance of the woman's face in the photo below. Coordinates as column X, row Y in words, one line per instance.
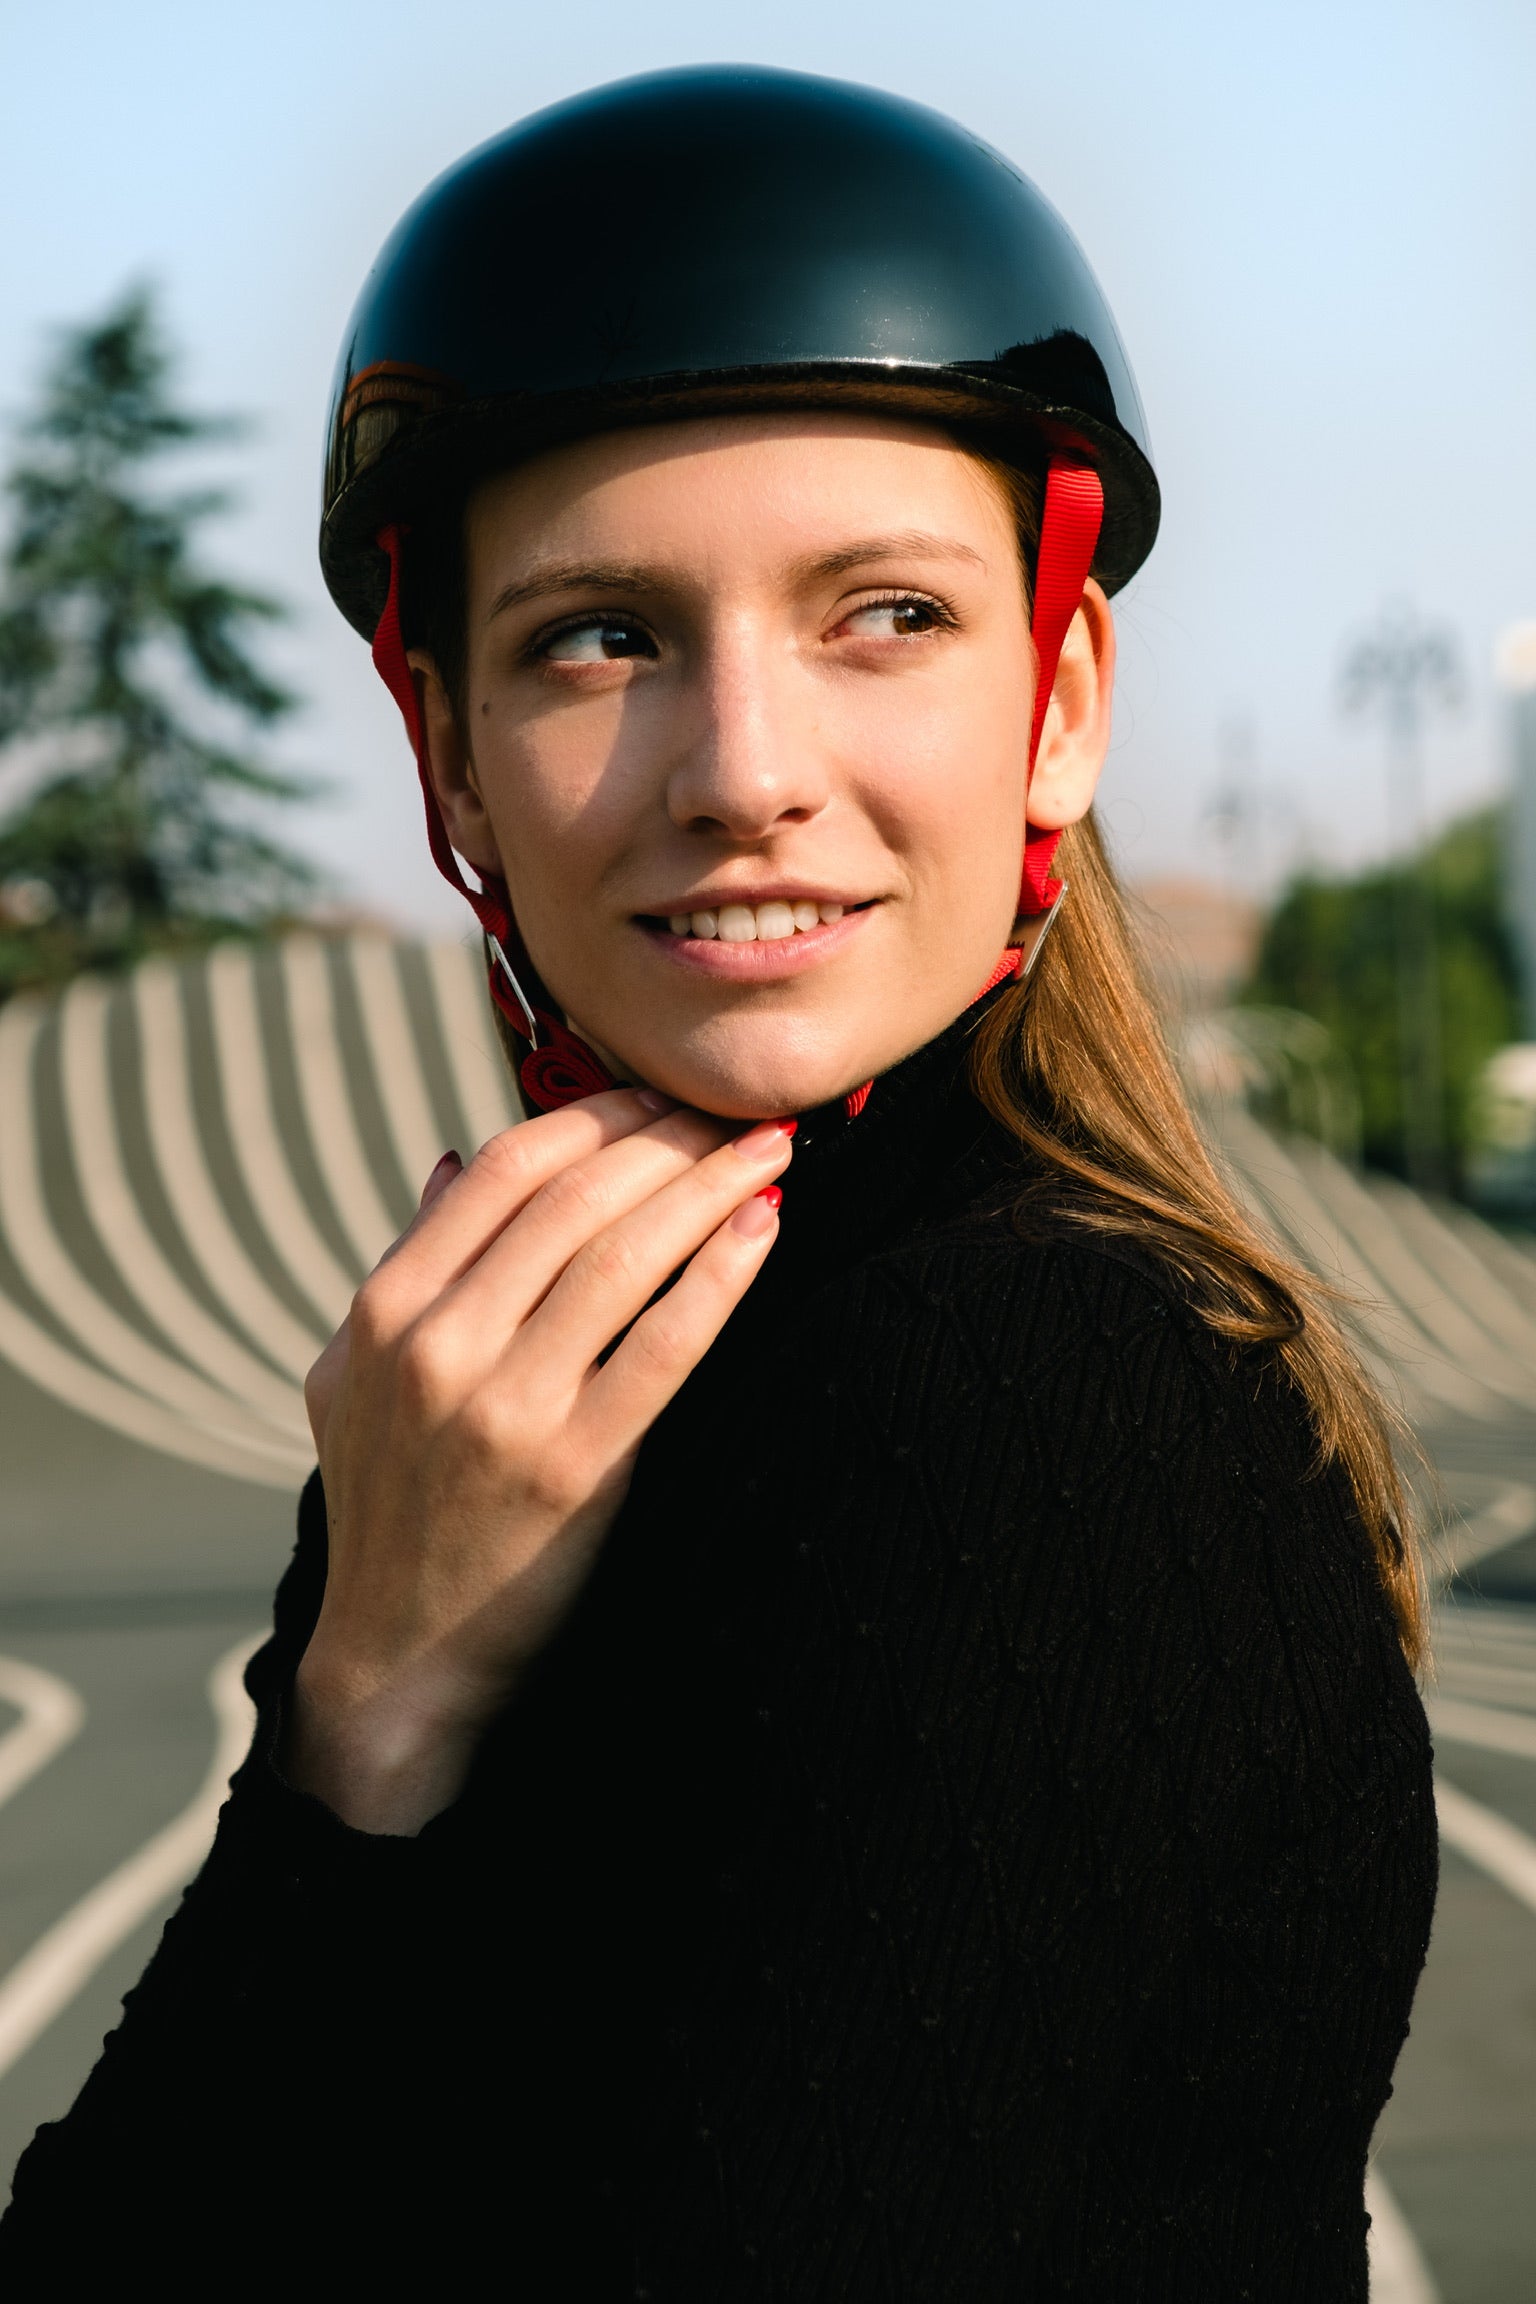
column 745, row 729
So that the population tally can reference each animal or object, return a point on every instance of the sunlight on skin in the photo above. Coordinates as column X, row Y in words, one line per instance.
column 749, row 659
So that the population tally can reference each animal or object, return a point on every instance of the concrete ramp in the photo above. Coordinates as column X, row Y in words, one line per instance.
column 198, row 1164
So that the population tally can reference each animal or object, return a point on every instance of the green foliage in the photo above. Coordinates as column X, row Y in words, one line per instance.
column 128, row 696
column 1330, row 950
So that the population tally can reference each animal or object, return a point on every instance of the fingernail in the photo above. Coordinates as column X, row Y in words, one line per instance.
column 654, row 1101
column 449, row 1165
column 763, row 1140
column 759, row 1214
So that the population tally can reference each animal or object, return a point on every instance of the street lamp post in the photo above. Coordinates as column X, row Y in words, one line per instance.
column 1402, row 670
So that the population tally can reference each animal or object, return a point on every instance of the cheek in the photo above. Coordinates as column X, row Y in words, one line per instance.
column 945, row 782
column 544, row 793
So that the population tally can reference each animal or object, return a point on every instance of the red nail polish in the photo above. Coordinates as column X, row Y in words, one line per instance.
column 772, row 1194
column 450, row 1162
column 789, row 1126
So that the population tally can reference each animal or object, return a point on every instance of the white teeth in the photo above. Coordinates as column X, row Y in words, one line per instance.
column 755, row 924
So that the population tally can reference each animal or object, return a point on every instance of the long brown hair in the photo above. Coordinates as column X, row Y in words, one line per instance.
column 1075, row 1063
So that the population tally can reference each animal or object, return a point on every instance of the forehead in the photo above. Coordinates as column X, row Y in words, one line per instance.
column 781, row 486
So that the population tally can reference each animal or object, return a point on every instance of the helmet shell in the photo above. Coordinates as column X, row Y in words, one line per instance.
column 721, row 238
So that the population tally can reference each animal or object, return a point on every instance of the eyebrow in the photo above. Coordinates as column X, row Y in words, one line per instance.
column 625, row 576
column 573, row 576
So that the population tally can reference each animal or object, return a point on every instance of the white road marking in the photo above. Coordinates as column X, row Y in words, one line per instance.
column 1510, row 1516
column 1512, row 1684
column 217, row 1247
column 114, row 1210
column 1399, row 2274
column 1488, row 1840
column 296, row 1239
column 328, row 1109
column 47, row 1977
column 52, row 1714
column 417, row 1134
column 1399, row 1351
column 1483, row 1725
column 1452, row 1332
column 1463, row 1275
column 481, row 1079
column 69, row 1296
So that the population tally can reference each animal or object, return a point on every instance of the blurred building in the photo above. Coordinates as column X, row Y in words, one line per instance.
column 1198, row 940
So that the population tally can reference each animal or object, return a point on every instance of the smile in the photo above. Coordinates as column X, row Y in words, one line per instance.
column 755, row 923
column 755, row 943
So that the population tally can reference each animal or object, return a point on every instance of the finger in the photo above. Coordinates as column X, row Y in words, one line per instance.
column 453, row 1227
column 623, row 1400
column 518, row 1269
column 613, row 1278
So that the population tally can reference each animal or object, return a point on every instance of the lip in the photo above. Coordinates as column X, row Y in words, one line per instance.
column 757, row 963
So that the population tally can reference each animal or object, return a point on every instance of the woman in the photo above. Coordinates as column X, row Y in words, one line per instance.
column 842, row 1726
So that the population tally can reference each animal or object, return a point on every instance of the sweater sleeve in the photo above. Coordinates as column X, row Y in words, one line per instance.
column 1113, row 1788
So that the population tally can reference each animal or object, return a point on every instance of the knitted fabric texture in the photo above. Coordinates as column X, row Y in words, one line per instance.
column 972, row 1840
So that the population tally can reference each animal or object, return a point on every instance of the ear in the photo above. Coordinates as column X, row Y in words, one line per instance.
column 452, row 770
column 1075, row 737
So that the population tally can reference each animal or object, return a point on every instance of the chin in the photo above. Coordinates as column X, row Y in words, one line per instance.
column 758, row 1075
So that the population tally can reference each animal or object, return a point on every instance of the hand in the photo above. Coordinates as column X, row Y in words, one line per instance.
column 474, row 1444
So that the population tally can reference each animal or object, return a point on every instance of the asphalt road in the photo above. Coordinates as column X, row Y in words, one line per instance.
column 126, row 1577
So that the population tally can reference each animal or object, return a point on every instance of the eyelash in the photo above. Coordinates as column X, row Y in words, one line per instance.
column 538, row 648
column 942, row 615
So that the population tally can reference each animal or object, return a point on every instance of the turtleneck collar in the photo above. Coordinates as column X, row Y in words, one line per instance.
column 921, row 1144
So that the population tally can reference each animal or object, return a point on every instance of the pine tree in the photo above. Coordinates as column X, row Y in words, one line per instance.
column 128, row 695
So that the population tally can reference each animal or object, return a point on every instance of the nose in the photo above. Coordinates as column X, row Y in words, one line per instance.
column 752, row 762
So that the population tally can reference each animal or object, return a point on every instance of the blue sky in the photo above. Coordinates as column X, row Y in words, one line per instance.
column 1316, row 226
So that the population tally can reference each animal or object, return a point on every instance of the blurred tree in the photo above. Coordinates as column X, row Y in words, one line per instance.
column 1330, row 950
column 128, row 697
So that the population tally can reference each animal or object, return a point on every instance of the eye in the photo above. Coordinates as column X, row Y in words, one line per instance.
column 595, row 640
column 906, row 617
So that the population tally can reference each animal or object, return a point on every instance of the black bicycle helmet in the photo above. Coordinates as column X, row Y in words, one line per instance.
column 719, row 237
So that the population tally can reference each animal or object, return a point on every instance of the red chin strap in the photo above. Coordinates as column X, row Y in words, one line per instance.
column 559, row 1067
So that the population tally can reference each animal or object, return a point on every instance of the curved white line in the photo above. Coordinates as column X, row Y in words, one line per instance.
column 220, row 1252
column 1408, row 1350
column 51, row 1715
column 54, row 1369
column 1460, row 1271
column 73, row 1302
column 481, row 1080
column 327, row 1106
column 253, row 1131
column 65, row 1958
column 1399, row 2274
column 1402, row 1272
column 1488, row 1840
column 120, row 1227
column 1484, row 1725
column 413, row 1125
column 1512, row 1684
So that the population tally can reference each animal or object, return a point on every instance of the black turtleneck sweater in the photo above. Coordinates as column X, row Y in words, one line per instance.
column 972, row 1840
